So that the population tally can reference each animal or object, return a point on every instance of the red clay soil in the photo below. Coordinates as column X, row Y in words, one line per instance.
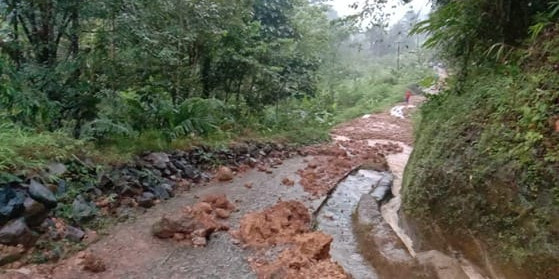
column 288, row 223
column 377, row 126
column 275, row 225
column 309, row 257
column 195, row 224
column 333, row 161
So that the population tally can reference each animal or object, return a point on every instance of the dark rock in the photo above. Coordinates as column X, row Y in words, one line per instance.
column 35, row 212
column 158, row 159
column 73, row 234
column 172, row 168
column 168, row 188
column 61, row 189
column 82, row 210
column 160, row 192
column 16, row 232
column 95, row 191
column 11, row 204
column 147, row 200
column 167, row 172
column 105, row 182
column 188, row 170
column 129, row 191
column 42, row 194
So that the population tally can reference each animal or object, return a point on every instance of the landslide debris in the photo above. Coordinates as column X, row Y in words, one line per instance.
column 304, row 254
column 275, row 225
column 194, row 224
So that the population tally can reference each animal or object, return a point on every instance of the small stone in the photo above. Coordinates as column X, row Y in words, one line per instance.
column 161, row 192
column 73, row 234
column 16, row 232
column 224, row 174
column 222, row 213
column 249, row 185
column 146, row 200
column 42, row 194
column 82, row 210
column 288, row 182
column 199, row 241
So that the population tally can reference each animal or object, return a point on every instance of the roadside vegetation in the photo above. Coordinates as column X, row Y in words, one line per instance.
column 110, row 79
column 486, row 159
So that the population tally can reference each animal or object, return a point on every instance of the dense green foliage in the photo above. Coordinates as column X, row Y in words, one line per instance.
column 126, row 76
column 485, row 159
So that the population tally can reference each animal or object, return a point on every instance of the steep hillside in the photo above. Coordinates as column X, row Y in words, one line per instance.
column 485, row 170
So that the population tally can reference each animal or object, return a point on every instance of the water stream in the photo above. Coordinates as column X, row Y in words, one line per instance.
column 336, row 218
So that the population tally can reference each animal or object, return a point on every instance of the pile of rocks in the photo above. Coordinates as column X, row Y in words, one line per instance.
column 22, row 207
column 85, row 192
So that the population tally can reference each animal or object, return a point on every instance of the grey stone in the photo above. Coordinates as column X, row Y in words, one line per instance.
column 57, row 169
column 16, row 232
column 73, row 234
column 160, row 192
column 11, row 204
column 83, row 210
column 42, row 194
column 158, row 159
column 146, row 200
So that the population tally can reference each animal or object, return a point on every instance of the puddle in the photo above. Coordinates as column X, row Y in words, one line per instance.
column 336, row 218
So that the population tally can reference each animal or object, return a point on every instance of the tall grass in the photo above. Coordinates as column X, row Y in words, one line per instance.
column 22, row 149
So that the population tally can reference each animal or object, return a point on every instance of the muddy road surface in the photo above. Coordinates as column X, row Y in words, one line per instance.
column 294, row 220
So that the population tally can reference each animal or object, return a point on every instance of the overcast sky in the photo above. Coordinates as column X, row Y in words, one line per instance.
column 343, row 9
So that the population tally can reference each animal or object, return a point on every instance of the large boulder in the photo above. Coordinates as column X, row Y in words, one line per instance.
column 11, row 204
column 16, row 232
column 41, row 193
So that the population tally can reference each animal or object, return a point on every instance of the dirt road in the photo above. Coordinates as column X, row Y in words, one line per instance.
column 129, row 250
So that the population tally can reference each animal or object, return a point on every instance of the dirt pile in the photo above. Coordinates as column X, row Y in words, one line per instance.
column 377, row 126
column 224, row 174
column 305, row 254
column 195, row 223
column 275, row 225
column 308, row 258
column 92, row 263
